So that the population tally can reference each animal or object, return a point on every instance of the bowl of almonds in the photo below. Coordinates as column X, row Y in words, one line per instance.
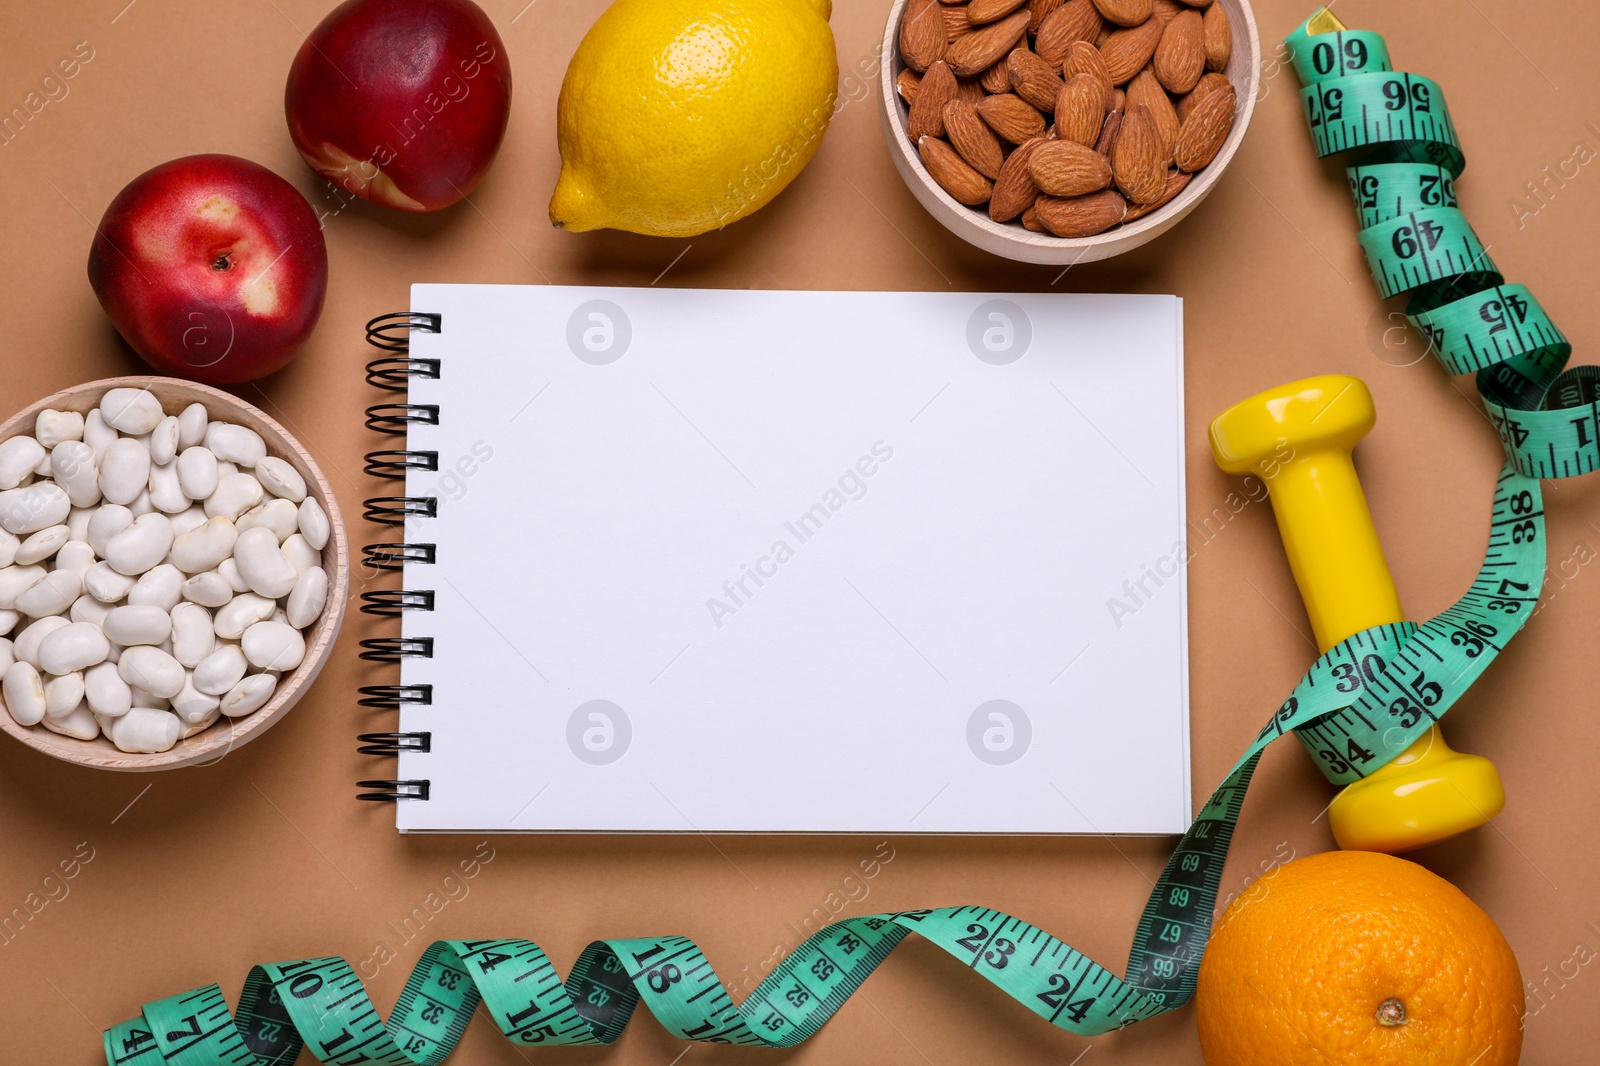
column 173, row 572
column 1065, row 131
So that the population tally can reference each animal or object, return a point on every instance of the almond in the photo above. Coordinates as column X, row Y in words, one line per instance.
column 1080, row 110
column 1192, row 3
column 1082, row 216
column 1014, row 190
column 1065, row 168
column 974, row 52
column 922, row 36
column 1127, row 51
column 1030, row 219
column 1138, row 161
column 1207, row 84
column 1176, row 180
column 1033, row 79
column 1038, row 11
column 938, row 87
column 952, row 172
column 956, row 22
column 1218, row 37
column 1108, row 134
column 974, row 141
column 905, row 83
column 1119, row 100
column 1012, row 117
column 969, row 90
column 1146, row 90
column 1124, row 12
column 1084, row 58
column 1204, row 130
column 982, row 11
column 1165, row 10
column 997, row 79
column 1180, row 57
column 1075, row 20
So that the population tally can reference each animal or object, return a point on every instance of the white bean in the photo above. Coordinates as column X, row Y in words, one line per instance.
column 262, row 563
column 6, row 658
column 281, row 479
column 138, row 625
column 24, row 693
column 221, row 670
column 78, row 723
column 235, row 444
column 165, row 492
column 240, row 613
column 106, row 584
column 72, row 465
column 141, row 504
column 310, row 595
column 274, row 646
column 8, row 621
column 131, row 411
column 184, row 521
column 125, row 471
column 97, row 435
column 280, row 516
column 192, row 705
column 162, row 587
column 53, row 595
column 145, row 730
column 9, row 544
column 141, row 546
column 18, row 457
column 77, row 646
column 164, row 440
column 192, row 636
column 62, row 695
column 202, row 725
column 105, row 690
column 141, row 698
column 151, row 670
column 42, row 545
column 314, row 523
column 88, row 609
column 236, row 494
column 249, row 695
column 42, row 469
column 75, row 555
column 207, row 589
column 197, row 472
column 26, row 646
column 54, row 427
column 14, row 581
column 33, row 507
column 106, row 523
column 204, row 548
column 226, row 470
column 78, row 520
column 228, row 570
column 192, row 425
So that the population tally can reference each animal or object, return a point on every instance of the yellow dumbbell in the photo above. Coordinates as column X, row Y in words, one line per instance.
column 1298, row 439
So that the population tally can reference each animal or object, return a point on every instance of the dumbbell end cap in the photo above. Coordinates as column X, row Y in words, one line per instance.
column 1401, row 809
column 1328, row 411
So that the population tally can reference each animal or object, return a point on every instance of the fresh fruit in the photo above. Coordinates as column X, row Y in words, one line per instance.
column 681, row 116
column 212, row 267
column 1357, row 957
column 403, row 102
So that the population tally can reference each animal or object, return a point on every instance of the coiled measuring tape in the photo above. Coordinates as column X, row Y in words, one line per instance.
column 1359, row 706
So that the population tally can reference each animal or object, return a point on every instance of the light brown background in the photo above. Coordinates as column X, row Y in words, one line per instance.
column 267, row 856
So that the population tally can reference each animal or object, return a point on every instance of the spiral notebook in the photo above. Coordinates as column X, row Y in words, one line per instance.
column 698, row 561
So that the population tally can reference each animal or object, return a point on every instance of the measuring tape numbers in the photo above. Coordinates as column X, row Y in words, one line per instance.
column 1361, row 704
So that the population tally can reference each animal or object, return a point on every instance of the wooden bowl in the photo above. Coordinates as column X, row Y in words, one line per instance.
column 226, row 733
column 1010, row 239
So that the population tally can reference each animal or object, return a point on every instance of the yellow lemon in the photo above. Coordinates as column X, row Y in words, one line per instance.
column 681, row 116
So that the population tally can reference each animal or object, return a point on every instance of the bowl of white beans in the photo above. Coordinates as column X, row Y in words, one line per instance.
column 173, row 573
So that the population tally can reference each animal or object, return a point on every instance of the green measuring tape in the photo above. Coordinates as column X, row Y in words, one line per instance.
column 1359, row 706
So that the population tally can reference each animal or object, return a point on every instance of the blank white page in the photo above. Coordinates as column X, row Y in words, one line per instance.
column 785, row 562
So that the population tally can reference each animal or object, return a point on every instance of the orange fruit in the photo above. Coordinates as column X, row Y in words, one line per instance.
column 1356, row 957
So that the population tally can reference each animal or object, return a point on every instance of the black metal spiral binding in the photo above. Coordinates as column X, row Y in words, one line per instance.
column 393, row 373
column 394, row 743
column 393, row 791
